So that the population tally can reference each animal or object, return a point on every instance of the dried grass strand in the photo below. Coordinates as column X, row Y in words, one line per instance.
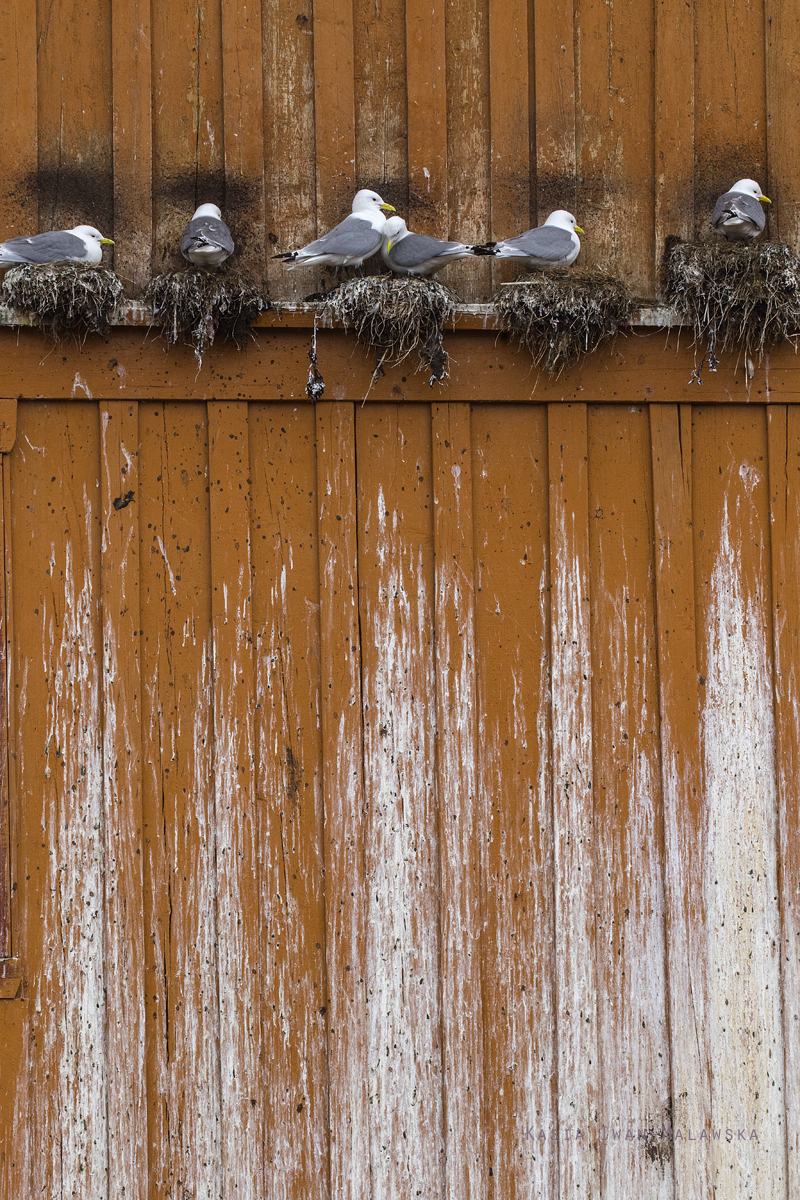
column 197, row 306
column 65, row 298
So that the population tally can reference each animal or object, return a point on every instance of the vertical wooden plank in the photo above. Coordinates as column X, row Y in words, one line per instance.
column 783, row 95
column 183, row 1064
column 578, row 1087
column 426, row 81
column 783, row 430
column 468, row 141
column 288, row 41
column 6, row 935
column 56, row 551
column 730, row 102
column 615, row 106
column 334, row 110
column 243, row 124
column 459, row 813
column 381, row 98
column 74, row 111
column 674, row 123
column 395, row 539
column 509, row 88
column 554, row 58
column 286, row 598
column 188, row 129
column 237, row 883
column 132, row 92
column 122, row 801
column 628, row 818
column 15, row 1167
column 512, row 638
column 681, row 775
column 19, row 201
column 743, row 1016
column 345, row 812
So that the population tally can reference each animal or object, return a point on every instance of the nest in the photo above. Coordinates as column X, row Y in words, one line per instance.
column 197, row 306
column 396, row 316
column 562, row 315
column 65, row 297
column 735, row 294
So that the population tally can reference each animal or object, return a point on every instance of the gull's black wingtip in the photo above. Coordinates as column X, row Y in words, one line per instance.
column 484, row 248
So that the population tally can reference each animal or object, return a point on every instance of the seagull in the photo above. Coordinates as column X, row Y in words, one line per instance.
column 738, row 213
column 554, row 244
column 207, row 241
column 83, row 244
column 351, row 241
column 415, row 254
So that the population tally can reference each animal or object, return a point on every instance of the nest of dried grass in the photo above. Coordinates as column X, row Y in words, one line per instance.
column 197, row 306
column 64, row 297
column 562, row 315
column 735, row 294
column 396, row 316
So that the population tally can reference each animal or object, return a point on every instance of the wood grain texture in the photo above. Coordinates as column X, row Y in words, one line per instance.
column 243, row 121
column 286, row 598
column 509, row 90
column 674, row 124
column 510, row 499
column 6, row 935
column 183, row 1049
column 628, row 812
column 681, row 774
column 334, row 110
column 396, row 606
column 459, row 806
column 379, row 63
column 783, row 434
column 577, row 1103
column 19, row 202
column 426, row 81
column 345, row 808
column 132, row 98
column 236, row 883
column 74, row 115
column 122, row 801
column 732, row 567
column 555, row 125
column 782, row 38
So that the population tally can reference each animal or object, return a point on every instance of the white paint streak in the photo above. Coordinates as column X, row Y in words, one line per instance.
column 169, row 568
column 81, row 383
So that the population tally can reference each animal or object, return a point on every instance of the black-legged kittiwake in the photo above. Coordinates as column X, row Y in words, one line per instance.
column 416, row 254
column 82, row 244
column 207, row 241
column 738, row 213
column 554, row 244
column 351, row 241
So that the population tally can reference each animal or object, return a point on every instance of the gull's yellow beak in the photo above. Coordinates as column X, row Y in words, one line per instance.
column 579, row 230
column 106, row 242
column 388, row 208
column 389, row 246
column 766, row 199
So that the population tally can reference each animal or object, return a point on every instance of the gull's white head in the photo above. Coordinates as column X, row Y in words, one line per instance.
column 749, row 187
column 564, row 220
column 367, row 201
column 394, row 229
column 89, row 234
column 207, row 210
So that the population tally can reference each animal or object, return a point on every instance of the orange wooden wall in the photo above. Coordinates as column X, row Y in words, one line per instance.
column 474, row 119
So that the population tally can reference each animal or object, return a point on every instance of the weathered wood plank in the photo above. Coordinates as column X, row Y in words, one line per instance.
column 122, row 800
column 395, row 540
column 55, row 532
column 132, row 92
column 783, row 431
column 19, row 201
column 426, row 77
column 732, row 569
column 628, row 815
column 243, row 123
column 512, row 639
column 345, row 812
column 509, row 104
column 674, row 123
column 782, row 66
column 554, row 115
column 681, row 775
column 459, row 806
column 237, row 885
column 74, row 115
column 183, row 1064
column 286, row 598
column 6, row 934
column 334, row 110
column 577, row 1102
column 381, row 99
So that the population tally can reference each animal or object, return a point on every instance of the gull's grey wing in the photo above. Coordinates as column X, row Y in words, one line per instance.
column 352, row 236
column 737, row 204
column 43, row 248
column 206, row 231
column 417, row 248
column 547, row 242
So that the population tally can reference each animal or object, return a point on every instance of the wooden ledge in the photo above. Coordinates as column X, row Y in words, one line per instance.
column 10, row 978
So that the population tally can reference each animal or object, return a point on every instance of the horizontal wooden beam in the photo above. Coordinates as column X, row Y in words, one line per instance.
column 647, row 367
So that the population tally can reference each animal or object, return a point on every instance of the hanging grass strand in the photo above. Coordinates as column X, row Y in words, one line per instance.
column 199, row 306
column 65, row 298
column 736, row 295
column 561, row 316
